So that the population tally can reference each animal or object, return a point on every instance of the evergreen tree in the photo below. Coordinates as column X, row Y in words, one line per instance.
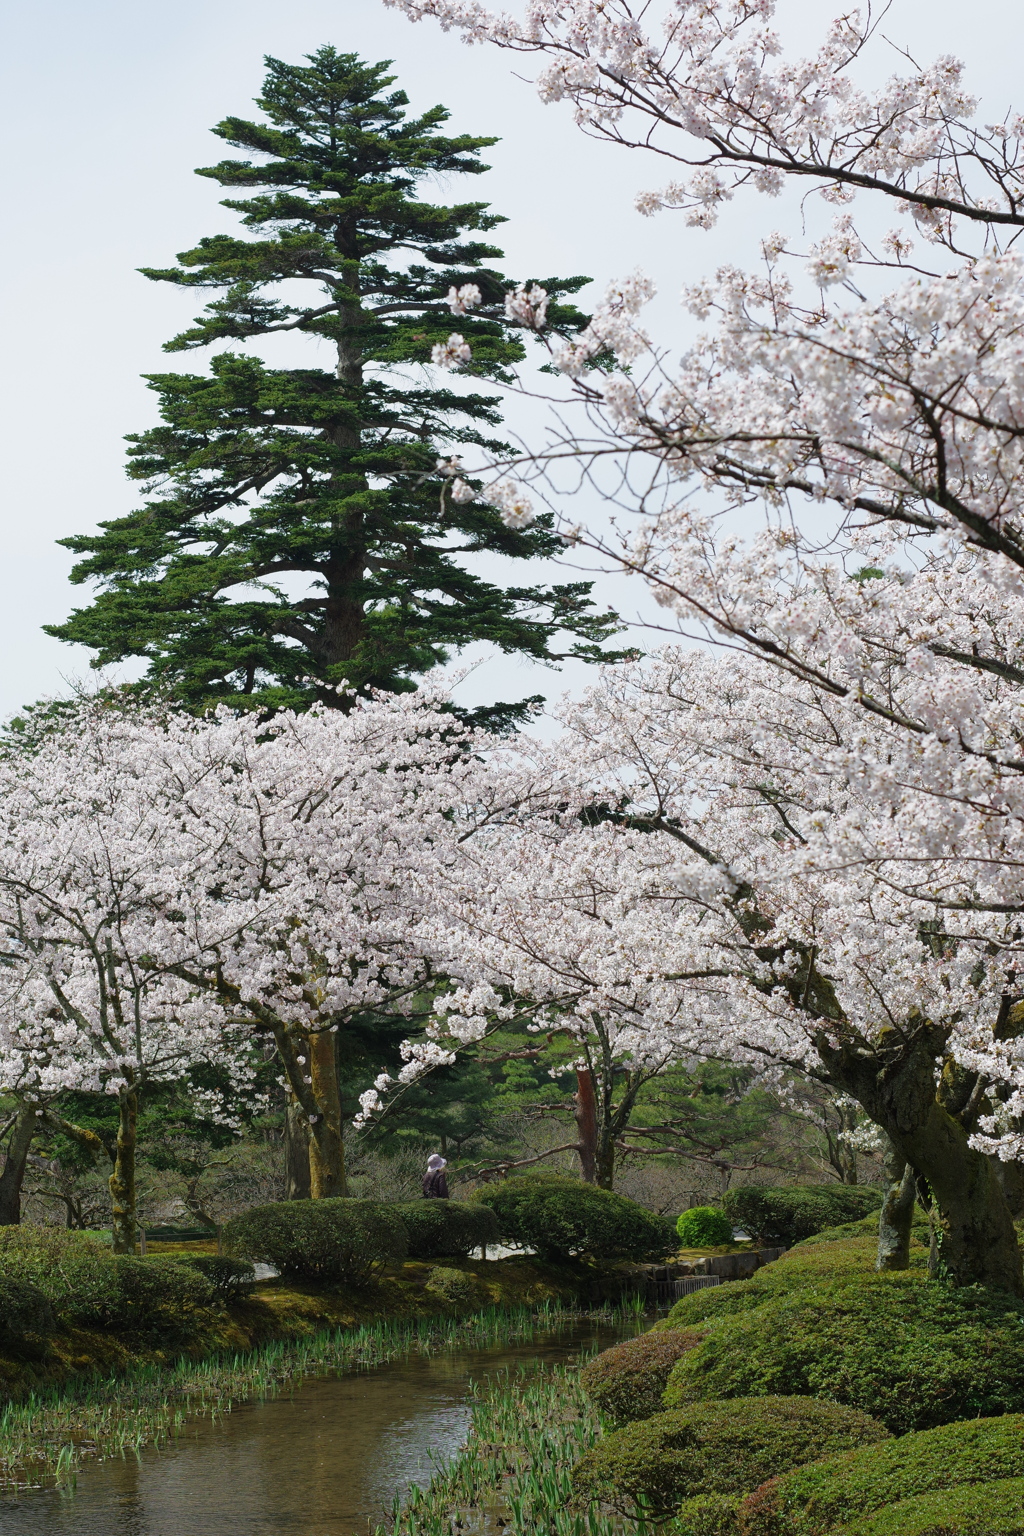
column 300, row 535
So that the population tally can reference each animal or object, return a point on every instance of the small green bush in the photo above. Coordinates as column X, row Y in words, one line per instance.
column 829, row 1494
column 912, row 1355
column 709, row 1514
column 230, row 1278
column 447, row 1229
column 455, row 1288
column 988, row 1509
column 626, row 1382
column 326, row 1240
column 158, row 1298
column 715, row 1301
column 786, row 1215
column 713, row 1448
column 26, row 1315
column 562, row 1218
column 704, row 1226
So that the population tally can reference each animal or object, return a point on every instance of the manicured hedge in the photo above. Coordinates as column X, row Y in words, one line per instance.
column 229, row 1277
column 447, row 1229
column 26, row 1315
column 562, row 1218
column 713, row 1448
column 828, row 1495
column 339, row 1240
column 704, row 1226
column 912, row 1355
column 87, row 1286
column 987, row 1509
column 788, row 1214
column 627, row 1381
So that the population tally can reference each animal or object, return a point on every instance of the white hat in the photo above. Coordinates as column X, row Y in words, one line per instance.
column 434, row 1162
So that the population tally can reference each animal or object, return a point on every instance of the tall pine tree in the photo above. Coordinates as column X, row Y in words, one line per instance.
column 299, row 535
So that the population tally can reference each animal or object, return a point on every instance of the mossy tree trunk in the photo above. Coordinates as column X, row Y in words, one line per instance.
column 896, row 1217
column 122, row 1178
column 26, row 1122
column 326, row 1143
column 296, row 1151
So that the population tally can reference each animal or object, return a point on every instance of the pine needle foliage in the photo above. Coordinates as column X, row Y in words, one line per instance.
column 297, row 535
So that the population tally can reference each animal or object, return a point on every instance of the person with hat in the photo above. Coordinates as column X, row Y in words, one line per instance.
column 435, row 1185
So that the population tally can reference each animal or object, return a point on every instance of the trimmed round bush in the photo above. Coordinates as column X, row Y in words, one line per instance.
column 158, row 1298
column 714, row 1448
column 325, row 1240
column 626, row 1382
column 447, row 1229
column 704, row 1226
column 230, row 1277
column 563, row 1218
column 788, row 1214
column 987, row 1509
column 828, row 1495
column 912, row 1355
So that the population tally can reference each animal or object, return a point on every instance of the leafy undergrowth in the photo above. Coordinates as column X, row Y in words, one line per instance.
column 527, row 1433
column 47, row 1436
column 288, row 1310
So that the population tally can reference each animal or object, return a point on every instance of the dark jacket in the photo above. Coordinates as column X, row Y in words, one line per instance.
column 435, row 1185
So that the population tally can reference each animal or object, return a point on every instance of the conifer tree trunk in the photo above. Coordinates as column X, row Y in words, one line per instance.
column 13, row 1176
column 122, row 1179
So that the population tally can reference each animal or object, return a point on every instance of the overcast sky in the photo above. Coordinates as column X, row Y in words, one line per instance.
column 107, row 107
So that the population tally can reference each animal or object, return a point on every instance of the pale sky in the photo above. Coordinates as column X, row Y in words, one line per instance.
column 107, row 107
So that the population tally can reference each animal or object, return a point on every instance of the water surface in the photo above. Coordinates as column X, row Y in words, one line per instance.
column 324, row 1460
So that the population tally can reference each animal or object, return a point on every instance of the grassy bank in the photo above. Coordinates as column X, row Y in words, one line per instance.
column 48, row 1435
column 284, row 1310
column 528, row 1431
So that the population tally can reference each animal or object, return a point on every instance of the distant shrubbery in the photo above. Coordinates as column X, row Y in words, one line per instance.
column 714, row 1449
column 339, row 1240
column 561, row 1218
column 704, row 1226
column 446, row 1229
column 787, row 1215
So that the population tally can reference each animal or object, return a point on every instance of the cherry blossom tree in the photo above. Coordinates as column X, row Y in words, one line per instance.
column 866, row 389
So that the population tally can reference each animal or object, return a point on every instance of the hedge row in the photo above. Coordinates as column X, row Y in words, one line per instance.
column 789, row 1214
column 561, row 1218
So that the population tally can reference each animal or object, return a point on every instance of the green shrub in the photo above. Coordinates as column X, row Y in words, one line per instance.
column 229, row 1277
column 335, row 1240
column 447, row 1229
column 158, row 1298
column 714, row 1301
column 704, row 1226
column 560, row 1218
column 912, row 1355
column 26, row 1315
column 988, row 1509
column 626, row 1382
column 829, row 1494
column 713, row 1448
column 709, row 1514
column 72, row 1269
column 786, row 1215
column 455, row 1288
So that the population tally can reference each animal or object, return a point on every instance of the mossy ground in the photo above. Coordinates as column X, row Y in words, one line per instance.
column 288, row 1309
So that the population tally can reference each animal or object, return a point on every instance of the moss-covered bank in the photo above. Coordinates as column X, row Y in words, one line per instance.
column 287, row 1310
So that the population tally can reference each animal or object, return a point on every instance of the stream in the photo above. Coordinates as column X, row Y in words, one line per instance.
column 324, row 1460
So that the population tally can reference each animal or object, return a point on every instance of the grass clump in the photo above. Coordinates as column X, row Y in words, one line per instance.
column 321, row 1240
column 562, row 1218
column 830, row 1494
column 455, row 1288
column 911, row 1355
column 714, row 1449
column 627, row 1381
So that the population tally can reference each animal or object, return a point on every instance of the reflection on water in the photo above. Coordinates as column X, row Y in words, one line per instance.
column 325, row 1461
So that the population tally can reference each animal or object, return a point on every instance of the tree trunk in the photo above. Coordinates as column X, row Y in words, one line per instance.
column 13, row 1176
column 122, row 1180
column 326, row 1144
column 586, row 1125
column 296, row 1151
column 897, row 1214
column 1011, row 1180
column 895, row 1082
